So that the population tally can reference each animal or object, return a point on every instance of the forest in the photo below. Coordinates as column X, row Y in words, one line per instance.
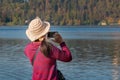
column 60, row 12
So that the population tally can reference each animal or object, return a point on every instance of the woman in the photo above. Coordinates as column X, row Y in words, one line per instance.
column 43, row 54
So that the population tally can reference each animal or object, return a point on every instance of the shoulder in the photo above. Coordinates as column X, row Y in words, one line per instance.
column 32, row 45
column 28, row 46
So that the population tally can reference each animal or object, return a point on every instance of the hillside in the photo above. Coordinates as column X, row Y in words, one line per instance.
column 60, row 12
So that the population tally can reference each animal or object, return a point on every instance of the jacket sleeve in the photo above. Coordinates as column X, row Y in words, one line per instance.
column 62, row 54
column 29, row 52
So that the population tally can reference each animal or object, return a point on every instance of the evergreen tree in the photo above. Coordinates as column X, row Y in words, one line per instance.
column 59, row 12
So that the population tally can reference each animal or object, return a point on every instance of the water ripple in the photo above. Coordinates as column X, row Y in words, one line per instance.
column 98, row 60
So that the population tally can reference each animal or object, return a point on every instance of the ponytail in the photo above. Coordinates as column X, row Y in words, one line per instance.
column 45, row 48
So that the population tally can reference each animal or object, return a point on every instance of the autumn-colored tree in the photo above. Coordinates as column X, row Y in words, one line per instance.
column 59, row 12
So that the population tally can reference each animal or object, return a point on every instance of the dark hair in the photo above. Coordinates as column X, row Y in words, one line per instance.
column 45, row 48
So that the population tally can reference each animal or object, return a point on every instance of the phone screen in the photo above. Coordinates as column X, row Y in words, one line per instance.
column 50, row 34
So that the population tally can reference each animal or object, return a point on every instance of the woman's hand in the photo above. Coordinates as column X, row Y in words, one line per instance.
column 58, row 38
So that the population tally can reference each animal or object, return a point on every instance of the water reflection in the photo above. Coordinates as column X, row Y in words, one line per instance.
column 92, row 58
column 96, row 59
column 13, row 64
column 116, row 59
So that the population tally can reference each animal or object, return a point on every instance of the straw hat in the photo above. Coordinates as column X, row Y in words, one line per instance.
column 37, row 29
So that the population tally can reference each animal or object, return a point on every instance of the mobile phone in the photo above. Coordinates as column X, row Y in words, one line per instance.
column 50, row 34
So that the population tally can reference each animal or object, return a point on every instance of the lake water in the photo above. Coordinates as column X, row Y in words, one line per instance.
column 74, row 32
column 95, row 51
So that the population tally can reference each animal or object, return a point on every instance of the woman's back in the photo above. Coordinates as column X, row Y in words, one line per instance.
column 44, row 68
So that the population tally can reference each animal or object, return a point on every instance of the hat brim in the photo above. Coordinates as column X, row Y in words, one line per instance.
column 44, row 32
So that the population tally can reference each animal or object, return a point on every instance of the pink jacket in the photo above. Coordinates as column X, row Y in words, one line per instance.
column 44, row 68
